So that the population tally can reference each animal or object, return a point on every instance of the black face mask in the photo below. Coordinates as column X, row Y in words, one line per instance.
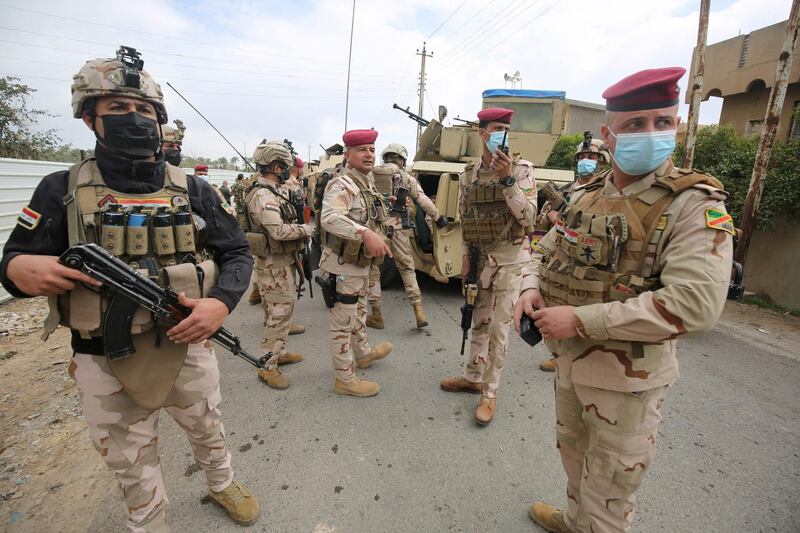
column 173, row 157
column 284, row 175
column 132, row 135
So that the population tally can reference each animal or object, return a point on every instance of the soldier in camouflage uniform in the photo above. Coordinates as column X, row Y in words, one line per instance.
column 174, row 369
column 276, row 235
column 641, row 257
column 172, row 142
column 389, row 178
column 353, row 236
column 591, row 157
column 497, row 207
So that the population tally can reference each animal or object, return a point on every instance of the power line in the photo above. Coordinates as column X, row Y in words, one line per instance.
column 470, row 19
column 439, row 27
column 159, row 52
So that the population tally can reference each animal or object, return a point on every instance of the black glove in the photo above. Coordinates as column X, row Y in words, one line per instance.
column 441, row 222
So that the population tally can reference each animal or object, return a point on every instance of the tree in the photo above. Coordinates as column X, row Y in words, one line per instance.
column 17, row 120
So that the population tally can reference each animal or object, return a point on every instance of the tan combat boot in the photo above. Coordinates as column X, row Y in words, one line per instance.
column 255, row 296
column 378, row 352
column 375, row 320
column 240, row 504
column 548, row 517
column 289, row 358
column 485, row 411
column 549, row 365
column 297, row 329
column 460, row 384
column 419, row 314
column 361, row 388
column 273, row 378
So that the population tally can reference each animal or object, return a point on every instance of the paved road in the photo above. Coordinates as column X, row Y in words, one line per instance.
column 412, row 459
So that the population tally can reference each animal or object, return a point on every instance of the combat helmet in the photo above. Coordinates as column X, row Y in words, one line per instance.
column 593, row 146
column 121, row 76
column 395, row 148
column 270, row 151
column 176, row 134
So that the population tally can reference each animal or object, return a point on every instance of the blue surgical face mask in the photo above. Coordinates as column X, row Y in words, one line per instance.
column 495, row 140
column 586, row 167
column 638, row 154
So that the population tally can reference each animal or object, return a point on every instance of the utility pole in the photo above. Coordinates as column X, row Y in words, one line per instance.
column 424, row 54
column 697, row 84
column 349, row 61
column 774, row 108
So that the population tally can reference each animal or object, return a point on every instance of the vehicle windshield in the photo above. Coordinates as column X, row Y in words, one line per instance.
column 533, row 117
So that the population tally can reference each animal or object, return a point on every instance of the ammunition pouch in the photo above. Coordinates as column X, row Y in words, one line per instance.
column 488, row 219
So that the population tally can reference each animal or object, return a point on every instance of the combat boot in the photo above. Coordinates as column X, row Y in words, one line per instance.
column 378, row 352
column 485, row 411
column 419, row 314
column 273, row 378
column 375, row 320
column 240, row 504
column 460, row 384
column 361, row 388
column 289, row 358
column 255, row 296
column 548, row 517
column 549, row 365
column 297, row 329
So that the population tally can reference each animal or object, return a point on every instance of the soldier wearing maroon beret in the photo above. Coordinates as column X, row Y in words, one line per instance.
column 353, row 236
column 641, row 257
column 497, row 207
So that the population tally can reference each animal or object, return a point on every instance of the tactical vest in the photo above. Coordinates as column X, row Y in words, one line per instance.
column 352, row 251
column 262, row 244
column 487, row 218
column 386, row 179
column 155, row 233
column 608, row 249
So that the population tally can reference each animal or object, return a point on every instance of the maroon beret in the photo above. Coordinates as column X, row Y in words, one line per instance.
column 201, row 167
column 359, row 137
column 495, row 114
column 647, row 89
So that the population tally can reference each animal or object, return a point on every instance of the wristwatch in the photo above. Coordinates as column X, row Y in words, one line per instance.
column 508, row 181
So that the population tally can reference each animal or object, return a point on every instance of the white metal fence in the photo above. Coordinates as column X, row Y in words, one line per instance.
column 19, row 178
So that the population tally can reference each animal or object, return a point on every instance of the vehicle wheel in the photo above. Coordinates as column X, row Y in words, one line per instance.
column 389, row 272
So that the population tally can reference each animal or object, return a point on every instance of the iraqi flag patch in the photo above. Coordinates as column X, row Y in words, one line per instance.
column 28, row 218
column 719, row 220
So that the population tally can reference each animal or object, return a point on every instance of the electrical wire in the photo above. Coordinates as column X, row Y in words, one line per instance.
column 439, row 27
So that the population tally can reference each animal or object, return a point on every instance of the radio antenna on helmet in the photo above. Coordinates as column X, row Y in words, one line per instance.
column 215, row 128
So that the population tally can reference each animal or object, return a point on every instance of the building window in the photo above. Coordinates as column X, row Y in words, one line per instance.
column 754, row 127
column 794, row 130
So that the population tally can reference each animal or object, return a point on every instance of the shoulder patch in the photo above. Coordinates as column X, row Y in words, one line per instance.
column 28, row 218
column 719, row 220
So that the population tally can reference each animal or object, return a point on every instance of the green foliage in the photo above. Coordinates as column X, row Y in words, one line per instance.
column 563, row 152
column 729, row 157
column 221, row 163
column 17, row 137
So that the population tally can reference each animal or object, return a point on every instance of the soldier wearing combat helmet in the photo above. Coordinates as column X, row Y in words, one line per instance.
column 591, row 157
column 392, row 180
column 277, row 234
column 109, row 200
column 172, row 142
column 641, row 257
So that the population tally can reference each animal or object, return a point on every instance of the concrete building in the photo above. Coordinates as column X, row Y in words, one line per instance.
column 741, row 71
column 582, row 116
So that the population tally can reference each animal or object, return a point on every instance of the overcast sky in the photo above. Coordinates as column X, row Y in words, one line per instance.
column 271, row 69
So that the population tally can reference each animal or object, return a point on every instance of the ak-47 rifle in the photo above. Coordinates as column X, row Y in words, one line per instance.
column 553, row 195
column 304, row 261
column 413, row 116
column 129, row 291
column 400, row 206
column 470, row 295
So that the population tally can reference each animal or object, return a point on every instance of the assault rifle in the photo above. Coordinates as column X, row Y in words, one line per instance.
column 470, row 295
column 553, row 195
column 304, row 263
column 129, row 291
column 413, row 116
column 400, row 207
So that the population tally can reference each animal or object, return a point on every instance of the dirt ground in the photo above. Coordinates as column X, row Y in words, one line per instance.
column 48, row 467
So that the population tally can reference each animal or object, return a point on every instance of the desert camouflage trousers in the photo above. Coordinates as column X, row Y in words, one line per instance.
column 126, row 435
column 498, row 290
column 348, row 329
column 606, row 440
column 404, row 261
column 278, row 290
